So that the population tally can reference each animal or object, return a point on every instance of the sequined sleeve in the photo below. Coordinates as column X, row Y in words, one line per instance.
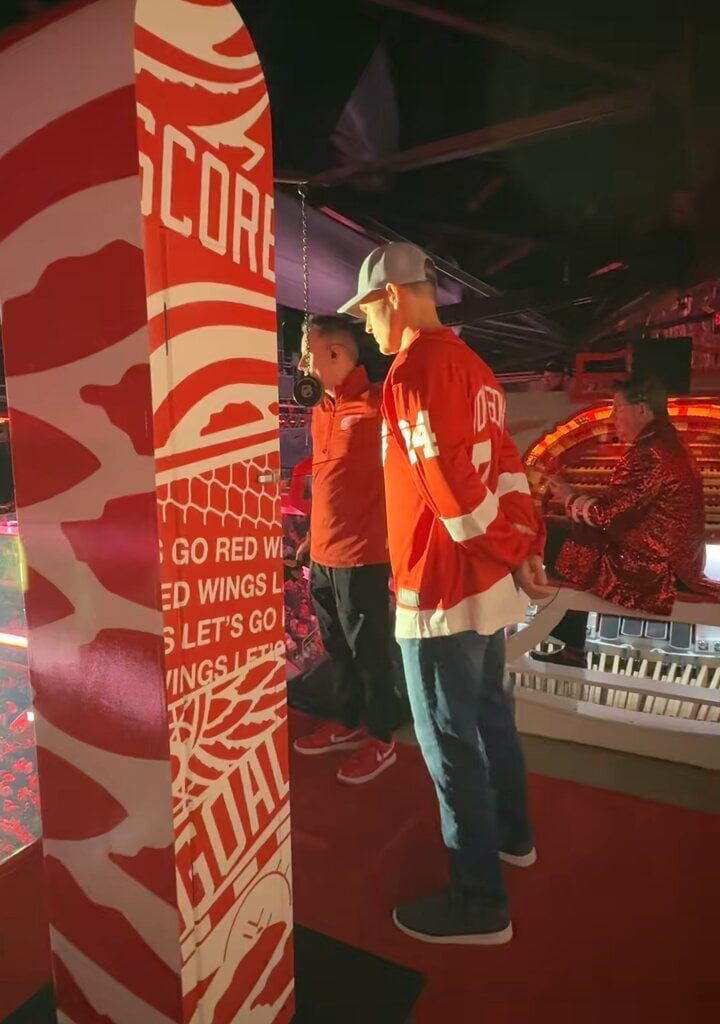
column 635, row 484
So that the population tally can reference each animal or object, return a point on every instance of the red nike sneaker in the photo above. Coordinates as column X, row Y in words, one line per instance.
column 331, row 736
column 371, row 759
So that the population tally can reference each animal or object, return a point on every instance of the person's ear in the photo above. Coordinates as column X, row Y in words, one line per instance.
column 393, row 293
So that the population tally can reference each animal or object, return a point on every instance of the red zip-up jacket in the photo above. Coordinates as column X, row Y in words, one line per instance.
column 455, row 489
column 347, row 521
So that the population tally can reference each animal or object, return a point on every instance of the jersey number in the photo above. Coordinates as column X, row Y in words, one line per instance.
column 419, row 438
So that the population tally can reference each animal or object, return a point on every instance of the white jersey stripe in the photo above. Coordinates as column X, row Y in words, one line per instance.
column 512, row 482
column 475, row 523
column 502, row 604
column 481, row 453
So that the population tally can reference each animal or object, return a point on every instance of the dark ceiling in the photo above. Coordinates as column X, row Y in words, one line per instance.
column 558, row 139
column 568, row 138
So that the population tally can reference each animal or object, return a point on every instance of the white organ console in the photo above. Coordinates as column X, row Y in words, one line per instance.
column 650, row 686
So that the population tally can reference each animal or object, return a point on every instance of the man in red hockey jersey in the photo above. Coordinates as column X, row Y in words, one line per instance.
column 465, row 549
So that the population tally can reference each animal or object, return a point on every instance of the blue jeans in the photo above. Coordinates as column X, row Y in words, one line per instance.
column 465, row 726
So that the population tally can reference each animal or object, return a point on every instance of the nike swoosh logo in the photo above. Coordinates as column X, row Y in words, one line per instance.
column 348, row 421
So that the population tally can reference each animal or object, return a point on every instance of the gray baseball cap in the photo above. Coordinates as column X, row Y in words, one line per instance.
column 394, row 263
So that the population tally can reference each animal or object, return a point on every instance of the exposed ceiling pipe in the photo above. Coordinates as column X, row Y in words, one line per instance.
column 475, row 311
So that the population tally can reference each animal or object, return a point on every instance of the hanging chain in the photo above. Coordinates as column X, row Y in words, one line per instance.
column 302, row 190
column 308, row 390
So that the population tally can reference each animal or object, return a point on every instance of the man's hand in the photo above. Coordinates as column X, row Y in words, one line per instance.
column 559, row 489
column 530, row 576
column 302, row 554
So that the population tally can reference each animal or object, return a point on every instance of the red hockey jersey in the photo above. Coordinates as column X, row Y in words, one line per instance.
column 455, row 491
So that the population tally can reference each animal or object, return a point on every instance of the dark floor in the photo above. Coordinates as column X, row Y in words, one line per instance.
column 40, row 1010
column 337, row 984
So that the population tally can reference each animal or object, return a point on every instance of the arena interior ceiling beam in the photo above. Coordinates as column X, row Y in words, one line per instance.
column 516, row 38
column 475, row 310
column 521, row 331
column 496, row 340
column 483, row 235
column 495, row 137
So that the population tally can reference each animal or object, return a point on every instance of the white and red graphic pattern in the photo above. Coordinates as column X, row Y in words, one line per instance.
column 143, row 392
column 207, row 197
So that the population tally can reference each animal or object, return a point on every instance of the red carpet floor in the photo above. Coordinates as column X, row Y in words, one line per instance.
column 618, row 922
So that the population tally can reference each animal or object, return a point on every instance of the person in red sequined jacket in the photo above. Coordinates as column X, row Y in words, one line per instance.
column 642, row 539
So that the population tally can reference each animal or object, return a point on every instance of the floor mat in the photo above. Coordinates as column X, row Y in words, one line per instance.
column 618, row 921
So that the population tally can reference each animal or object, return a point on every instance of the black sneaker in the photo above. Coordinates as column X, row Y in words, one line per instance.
column 449, row 918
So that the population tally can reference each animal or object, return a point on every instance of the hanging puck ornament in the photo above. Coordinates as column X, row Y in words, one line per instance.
column 308, row 391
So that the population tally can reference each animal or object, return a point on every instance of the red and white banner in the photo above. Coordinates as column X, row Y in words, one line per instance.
column 139, row 334
column 207, row 199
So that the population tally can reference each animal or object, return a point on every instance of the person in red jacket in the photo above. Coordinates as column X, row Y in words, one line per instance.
column 465, row 548
column 349, row 578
